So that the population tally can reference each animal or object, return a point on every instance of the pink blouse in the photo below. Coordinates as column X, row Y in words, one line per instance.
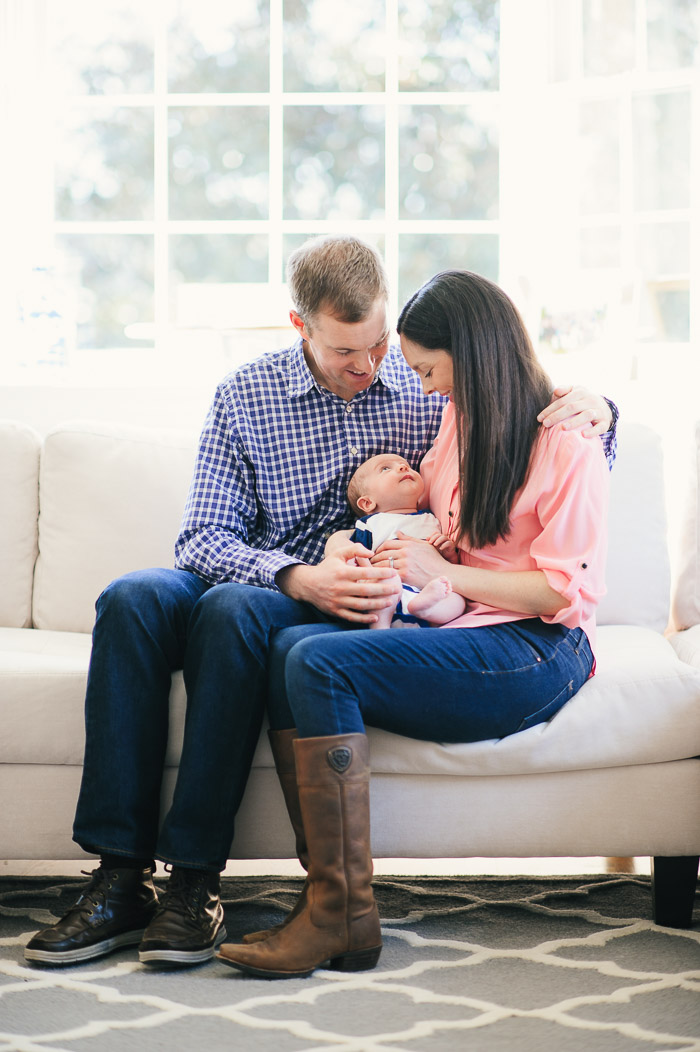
column 558, row 522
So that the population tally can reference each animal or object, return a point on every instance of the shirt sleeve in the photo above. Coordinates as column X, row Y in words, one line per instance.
column 609, row 439
column 221, row 509
column 572, row 508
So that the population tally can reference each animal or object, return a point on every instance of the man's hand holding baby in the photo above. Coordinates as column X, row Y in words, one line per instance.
column 340, row 587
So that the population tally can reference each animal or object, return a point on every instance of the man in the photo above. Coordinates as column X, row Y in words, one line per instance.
column 281, row 440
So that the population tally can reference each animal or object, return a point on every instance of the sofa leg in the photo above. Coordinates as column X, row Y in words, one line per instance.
column 673, row 886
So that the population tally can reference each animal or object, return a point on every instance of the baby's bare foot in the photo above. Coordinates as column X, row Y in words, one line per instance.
column 434, row 592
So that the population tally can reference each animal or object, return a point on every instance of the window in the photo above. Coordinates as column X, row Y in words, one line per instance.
column 621, row 93
column 194, row 144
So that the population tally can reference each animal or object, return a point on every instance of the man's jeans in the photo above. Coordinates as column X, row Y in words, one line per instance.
column 435, row 684
column 148, row 624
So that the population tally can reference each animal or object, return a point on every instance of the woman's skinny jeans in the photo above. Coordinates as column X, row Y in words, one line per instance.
column 435, row 684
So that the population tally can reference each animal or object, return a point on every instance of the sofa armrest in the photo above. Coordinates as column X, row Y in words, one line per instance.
column 685, row 605
column 687, row 645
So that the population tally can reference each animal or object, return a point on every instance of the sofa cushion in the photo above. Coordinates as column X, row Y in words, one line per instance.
column 640, row 707
column 19, row 484
column 43, row 678
column 638, row 576
column 686, row 598
column 687, row 645
column 111, row 500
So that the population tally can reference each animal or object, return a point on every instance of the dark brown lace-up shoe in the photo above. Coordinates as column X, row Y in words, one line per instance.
column 189, row 924
column 112, row 911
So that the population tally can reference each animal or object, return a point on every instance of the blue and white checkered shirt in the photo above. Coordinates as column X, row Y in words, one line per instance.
column 275, row 458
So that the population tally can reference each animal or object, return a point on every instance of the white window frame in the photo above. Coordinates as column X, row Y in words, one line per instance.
column 523, row 201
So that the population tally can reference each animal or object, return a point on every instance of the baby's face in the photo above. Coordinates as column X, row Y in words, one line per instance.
column 389, row 483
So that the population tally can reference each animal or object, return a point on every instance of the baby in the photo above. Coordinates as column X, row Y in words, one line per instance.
column 384, row 492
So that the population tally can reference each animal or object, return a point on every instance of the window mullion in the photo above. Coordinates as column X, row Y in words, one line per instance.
column 276, row 155
column 161, row 185
column 523, row 66
column 391, row 155
column 695, row 211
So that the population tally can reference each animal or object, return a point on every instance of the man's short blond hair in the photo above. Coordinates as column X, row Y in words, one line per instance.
column 338, row 275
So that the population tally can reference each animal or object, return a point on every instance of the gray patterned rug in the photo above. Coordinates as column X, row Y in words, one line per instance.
column 492, row 964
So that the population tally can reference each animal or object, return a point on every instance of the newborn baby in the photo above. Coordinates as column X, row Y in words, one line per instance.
column 385, row 491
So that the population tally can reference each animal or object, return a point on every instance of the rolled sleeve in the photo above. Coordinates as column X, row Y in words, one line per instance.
column 572, row 509
column 609, row 439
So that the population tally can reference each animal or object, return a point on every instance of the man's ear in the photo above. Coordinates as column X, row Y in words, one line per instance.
column 298, row 323
column 366, row 505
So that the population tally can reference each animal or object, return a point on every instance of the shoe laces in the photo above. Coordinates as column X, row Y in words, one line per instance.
column 183, row 892
column 95, row 892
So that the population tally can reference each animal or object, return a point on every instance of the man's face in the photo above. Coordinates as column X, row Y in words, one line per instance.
column 389, row 483
column 344, row 357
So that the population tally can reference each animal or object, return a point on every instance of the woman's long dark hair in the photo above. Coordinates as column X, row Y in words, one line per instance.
column 498, row 389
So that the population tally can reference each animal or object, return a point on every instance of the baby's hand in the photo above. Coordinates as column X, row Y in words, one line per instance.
column 445, row 546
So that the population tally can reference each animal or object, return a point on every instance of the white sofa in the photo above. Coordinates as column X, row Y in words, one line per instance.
column 615, row 773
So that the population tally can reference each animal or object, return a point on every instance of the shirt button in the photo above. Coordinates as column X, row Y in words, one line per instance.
column 353, row 450
column 348, row 409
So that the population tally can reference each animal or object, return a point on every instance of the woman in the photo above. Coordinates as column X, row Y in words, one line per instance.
column 526, row 507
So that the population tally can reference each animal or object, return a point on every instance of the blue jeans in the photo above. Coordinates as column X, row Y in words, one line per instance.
column 148, row 624
column 435, row 684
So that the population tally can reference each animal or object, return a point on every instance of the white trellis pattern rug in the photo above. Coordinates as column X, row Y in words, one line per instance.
column 491, row 964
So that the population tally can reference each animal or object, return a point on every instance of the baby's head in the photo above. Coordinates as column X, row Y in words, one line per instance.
column 386, row 482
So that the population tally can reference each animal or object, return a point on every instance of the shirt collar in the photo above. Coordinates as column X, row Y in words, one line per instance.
column 301, row 380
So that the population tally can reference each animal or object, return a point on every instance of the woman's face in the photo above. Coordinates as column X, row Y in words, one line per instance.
column 433, row 367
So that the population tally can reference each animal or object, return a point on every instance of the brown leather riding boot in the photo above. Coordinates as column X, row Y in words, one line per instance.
column 338, row 926
column 282, row 743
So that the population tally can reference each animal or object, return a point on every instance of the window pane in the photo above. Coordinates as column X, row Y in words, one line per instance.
column 422, row 255
column 600, row 248
column 448, row 163
column 565, row 327
column 46, row 311
column 218, row 162
column 448, row 45
column 115, row 285
column 663, row 258
column 104, row 164
column 665, row 311
column 560, row 20
column 100, row 49
column 599, row 143
column 219, row 47
column 291, row 242
column 212, row 259
column 608, row 37
column 673, row 32
column 333, row 162
column 218, row 258
column 661, row 127
column 663, row 249
column 331, row 49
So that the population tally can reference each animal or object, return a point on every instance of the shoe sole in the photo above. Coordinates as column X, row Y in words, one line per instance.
column 58, row 958
column 355, row 961
column 176, row 957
